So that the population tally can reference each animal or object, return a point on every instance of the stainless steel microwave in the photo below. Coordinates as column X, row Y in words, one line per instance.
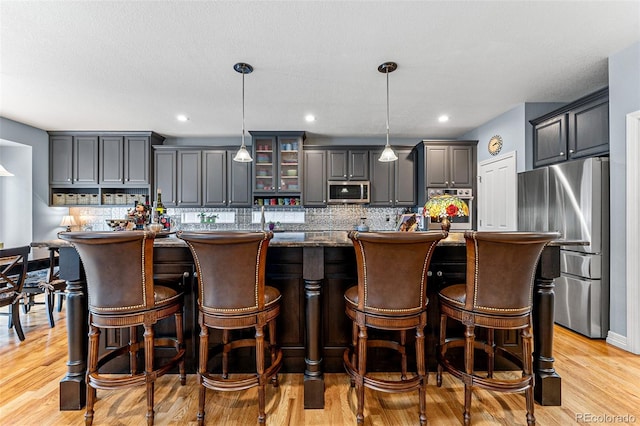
column 348, row 192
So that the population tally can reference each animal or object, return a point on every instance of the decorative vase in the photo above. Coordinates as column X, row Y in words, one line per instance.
column 445, row 224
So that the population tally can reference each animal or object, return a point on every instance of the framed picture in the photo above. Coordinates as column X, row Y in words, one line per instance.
column 410, row 222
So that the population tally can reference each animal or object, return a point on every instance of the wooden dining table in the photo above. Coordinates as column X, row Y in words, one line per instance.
column 309, row 348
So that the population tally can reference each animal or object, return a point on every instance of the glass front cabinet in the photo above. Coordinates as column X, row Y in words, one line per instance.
column 277, row 160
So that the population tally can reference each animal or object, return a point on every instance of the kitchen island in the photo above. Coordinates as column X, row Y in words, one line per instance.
column 312, row 270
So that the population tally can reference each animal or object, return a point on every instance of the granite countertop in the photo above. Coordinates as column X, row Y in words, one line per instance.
column 305, row 239
column 280, row 239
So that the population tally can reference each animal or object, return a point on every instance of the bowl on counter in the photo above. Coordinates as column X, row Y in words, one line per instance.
column 119, row 224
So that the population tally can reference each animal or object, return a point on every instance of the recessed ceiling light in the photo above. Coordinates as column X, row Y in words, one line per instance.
column 310, row 118
column 443, row 118
column 182, row 117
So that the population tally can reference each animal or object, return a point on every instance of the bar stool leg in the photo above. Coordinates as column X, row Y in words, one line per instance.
column 441, row 348
column 148, row 365
column 403, row 354
column 354, row 346
column 491, row 352
column 94, row 337
column 180, row 338
column 421, row 367
column 272, row 347
column 202, row 368
column 133, row 358
column 362, row 371
column 225, row 354
column 260, row 370
column 527, row 349
column 469, row 341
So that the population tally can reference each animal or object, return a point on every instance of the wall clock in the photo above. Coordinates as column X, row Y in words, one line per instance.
column 495, row 145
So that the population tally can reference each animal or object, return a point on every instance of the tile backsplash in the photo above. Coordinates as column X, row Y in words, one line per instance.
column 331, row 218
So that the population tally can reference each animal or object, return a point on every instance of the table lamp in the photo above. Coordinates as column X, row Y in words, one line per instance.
column 68, row 221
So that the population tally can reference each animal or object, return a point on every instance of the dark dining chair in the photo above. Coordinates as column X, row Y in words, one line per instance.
column 391, row 295
column 14, row 263
column 497, row 295
column 121, row 293
column 232, row 295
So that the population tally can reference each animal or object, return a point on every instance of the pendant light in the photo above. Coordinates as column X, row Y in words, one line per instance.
column 243, row 156
column 388, row 155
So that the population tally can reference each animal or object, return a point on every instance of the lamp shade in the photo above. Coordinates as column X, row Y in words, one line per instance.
column 68, row 221
column 4, row 172
column 445, row 206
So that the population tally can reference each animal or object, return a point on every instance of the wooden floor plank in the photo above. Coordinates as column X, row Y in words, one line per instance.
column 597, row 380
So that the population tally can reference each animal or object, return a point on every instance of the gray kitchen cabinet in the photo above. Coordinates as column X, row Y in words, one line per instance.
column 73, row 160
column 214, row 178
column 61, row 160
column 315, row 178
column 197, row 177
column 165, row 177
column 348, row 164
column 577, row 130
column 277, row 167
column 189, row 181
column 393, row 183
column 100, row 168
column 124, row 160
column 238, row 182
column 450, row 166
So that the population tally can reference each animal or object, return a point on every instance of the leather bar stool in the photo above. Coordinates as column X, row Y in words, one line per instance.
column 121, row 293
column 232, row 295
column 497, row 294
column 391, row 295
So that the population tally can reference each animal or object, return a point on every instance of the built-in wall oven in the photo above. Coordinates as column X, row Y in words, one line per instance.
column 459, row 223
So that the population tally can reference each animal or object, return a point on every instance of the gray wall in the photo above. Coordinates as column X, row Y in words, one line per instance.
column 516, row 132
column 45, row 219
column 624, row 97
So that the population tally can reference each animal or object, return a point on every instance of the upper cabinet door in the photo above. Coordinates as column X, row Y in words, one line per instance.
column 136, row 160
column 165, row 176
column 189, row 178
column 337, row 165
column 589, row 129
column 265, row 152
column 381, row 180
column 111, row 160
column 550, row 141
column 315, row 178
column 405, row 178
column 238, row 182
column 462, row 166
column 85, row 159
column 359, row 165
column 61, row 160
column 437, row 166
column 214, row 181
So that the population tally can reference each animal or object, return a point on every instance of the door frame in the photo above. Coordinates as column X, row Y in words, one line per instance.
column 632, row 231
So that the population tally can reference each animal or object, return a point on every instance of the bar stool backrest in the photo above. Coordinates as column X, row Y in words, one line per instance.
column 14, row 263
column 230, row 268
column 501, row 268
column 119, row 269
column 392, row 270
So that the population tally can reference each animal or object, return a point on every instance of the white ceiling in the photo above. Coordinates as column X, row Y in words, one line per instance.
column 125, row 65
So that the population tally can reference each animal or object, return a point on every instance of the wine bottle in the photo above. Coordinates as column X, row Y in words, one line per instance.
column 159, row 206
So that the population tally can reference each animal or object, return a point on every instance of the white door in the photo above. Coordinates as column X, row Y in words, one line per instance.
column 498, row 194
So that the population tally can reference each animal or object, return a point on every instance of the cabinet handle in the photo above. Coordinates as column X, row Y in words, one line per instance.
column 324, row 201
column 570, row 151
column 439, row 273
column 561, row 153
column 453, row 182
column 344, row 175
column 429, row 273
column 446, row 182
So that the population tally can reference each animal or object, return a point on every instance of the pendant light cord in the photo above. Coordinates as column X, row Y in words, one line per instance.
column 243, row 108
column 387, row 107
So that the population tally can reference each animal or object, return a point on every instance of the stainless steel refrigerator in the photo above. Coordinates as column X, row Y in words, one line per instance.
column 573, row 198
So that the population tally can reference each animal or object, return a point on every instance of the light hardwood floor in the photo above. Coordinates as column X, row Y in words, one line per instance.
column 598, row 380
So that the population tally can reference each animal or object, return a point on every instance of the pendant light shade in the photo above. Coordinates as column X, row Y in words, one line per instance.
column 243, row 155
column 4, row 172
column 388, row 154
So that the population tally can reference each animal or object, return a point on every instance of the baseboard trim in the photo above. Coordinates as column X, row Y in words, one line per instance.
column 617, row 340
